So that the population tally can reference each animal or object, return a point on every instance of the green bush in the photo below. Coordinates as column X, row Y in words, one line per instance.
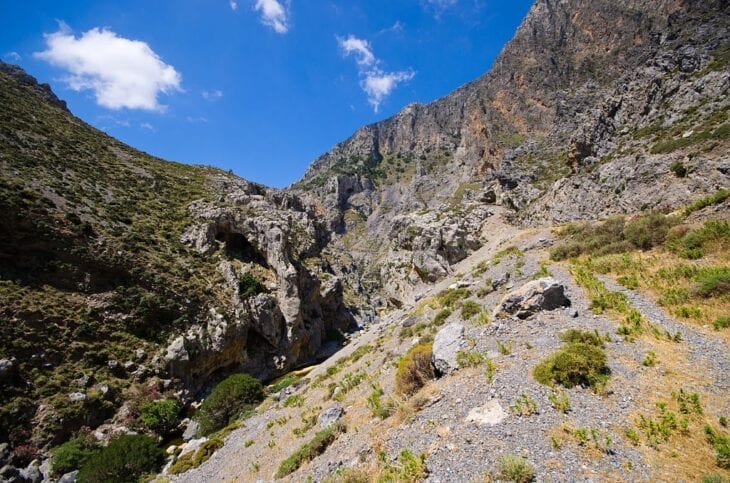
column 72, row 454
column 469, row 309
column 575, row 364
column 515, row 469
column 721, row 444
column 693, row 245
column 441, row 317
column 160, row 416
column 713, row 281
column 722, row 322
column 583, row 336
column 230, row 398
column 450, row 297
column 713, row 199
column 414, row 370
column 409, row 468
column 679, row 169
column 124, row 460
column 311, row 450
column 248, row 286
column 648, row 230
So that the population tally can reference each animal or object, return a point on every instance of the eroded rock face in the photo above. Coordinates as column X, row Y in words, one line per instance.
column 264, row 234
column 536, row 295
column 449, row 341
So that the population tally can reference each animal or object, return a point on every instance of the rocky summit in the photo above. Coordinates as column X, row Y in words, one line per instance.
column 527, row 279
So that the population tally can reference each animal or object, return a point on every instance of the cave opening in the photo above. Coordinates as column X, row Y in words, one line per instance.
column 238, row 247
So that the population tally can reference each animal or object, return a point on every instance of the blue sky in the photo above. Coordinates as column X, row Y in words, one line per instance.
column 261, row 87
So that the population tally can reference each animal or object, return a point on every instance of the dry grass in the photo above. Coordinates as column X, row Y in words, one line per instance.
column 667, row 279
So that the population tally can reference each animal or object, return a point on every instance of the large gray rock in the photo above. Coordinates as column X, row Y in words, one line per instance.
column 69, row 477
column 31, row 474
column 542, row 294
column 330, row 416
column 448, row 343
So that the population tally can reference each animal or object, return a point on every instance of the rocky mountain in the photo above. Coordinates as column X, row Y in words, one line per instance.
column 582, row 115
column 120, row 270
column 128, row 281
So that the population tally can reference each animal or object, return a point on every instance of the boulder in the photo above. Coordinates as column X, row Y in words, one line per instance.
column 31, row 474
column 447, row 344
column 190, row 430
column 69, row 477
column 542, row 294
column 489, row 414
column 330, row 416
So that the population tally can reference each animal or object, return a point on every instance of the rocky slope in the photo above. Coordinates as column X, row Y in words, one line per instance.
column 121, row 271
column 126, row 279
column 582, row 115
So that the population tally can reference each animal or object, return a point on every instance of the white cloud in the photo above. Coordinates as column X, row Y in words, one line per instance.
column 212, row 95
column 195, row 120
column 12, row 56
column 360, row 47
column 377, row 83
column 233, row 4
column 274, row 14
column 148, row 126
column 122, row 73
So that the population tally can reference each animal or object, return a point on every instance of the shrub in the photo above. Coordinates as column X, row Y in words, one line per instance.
column 560, row 401
column 469, row 309
column 575, row 364
column 713, row 199
column 441, row 317
column 450, row 297
column 410, row 468
column 159, row 416
column 722, row 322
column 679, row 169
column 379, row 407
column 516, row 469
column 648, row 230
column 311, row 450
column 721, row 445
column 125, row 459
column 694, row 244
column 249, row 286
column 72, row 454
column 297, row 400
column 713, row 281
column 193, row 459
column 582, row 336
column 614, row 235
column 524, row 406
column 229, row 399
column 414, row 370
column 650, row 359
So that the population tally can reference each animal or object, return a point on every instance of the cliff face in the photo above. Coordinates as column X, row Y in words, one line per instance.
column 578, row 118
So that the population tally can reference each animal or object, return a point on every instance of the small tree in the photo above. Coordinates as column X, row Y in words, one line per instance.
column 124, row 461
column 228, row 400
column 159, row 416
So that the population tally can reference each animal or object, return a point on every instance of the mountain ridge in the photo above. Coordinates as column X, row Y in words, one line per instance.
column 126, row 279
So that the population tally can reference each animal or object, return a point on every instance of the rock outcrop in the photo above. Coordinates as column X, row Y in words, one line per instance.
column 447, row 344
column 541, row 294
